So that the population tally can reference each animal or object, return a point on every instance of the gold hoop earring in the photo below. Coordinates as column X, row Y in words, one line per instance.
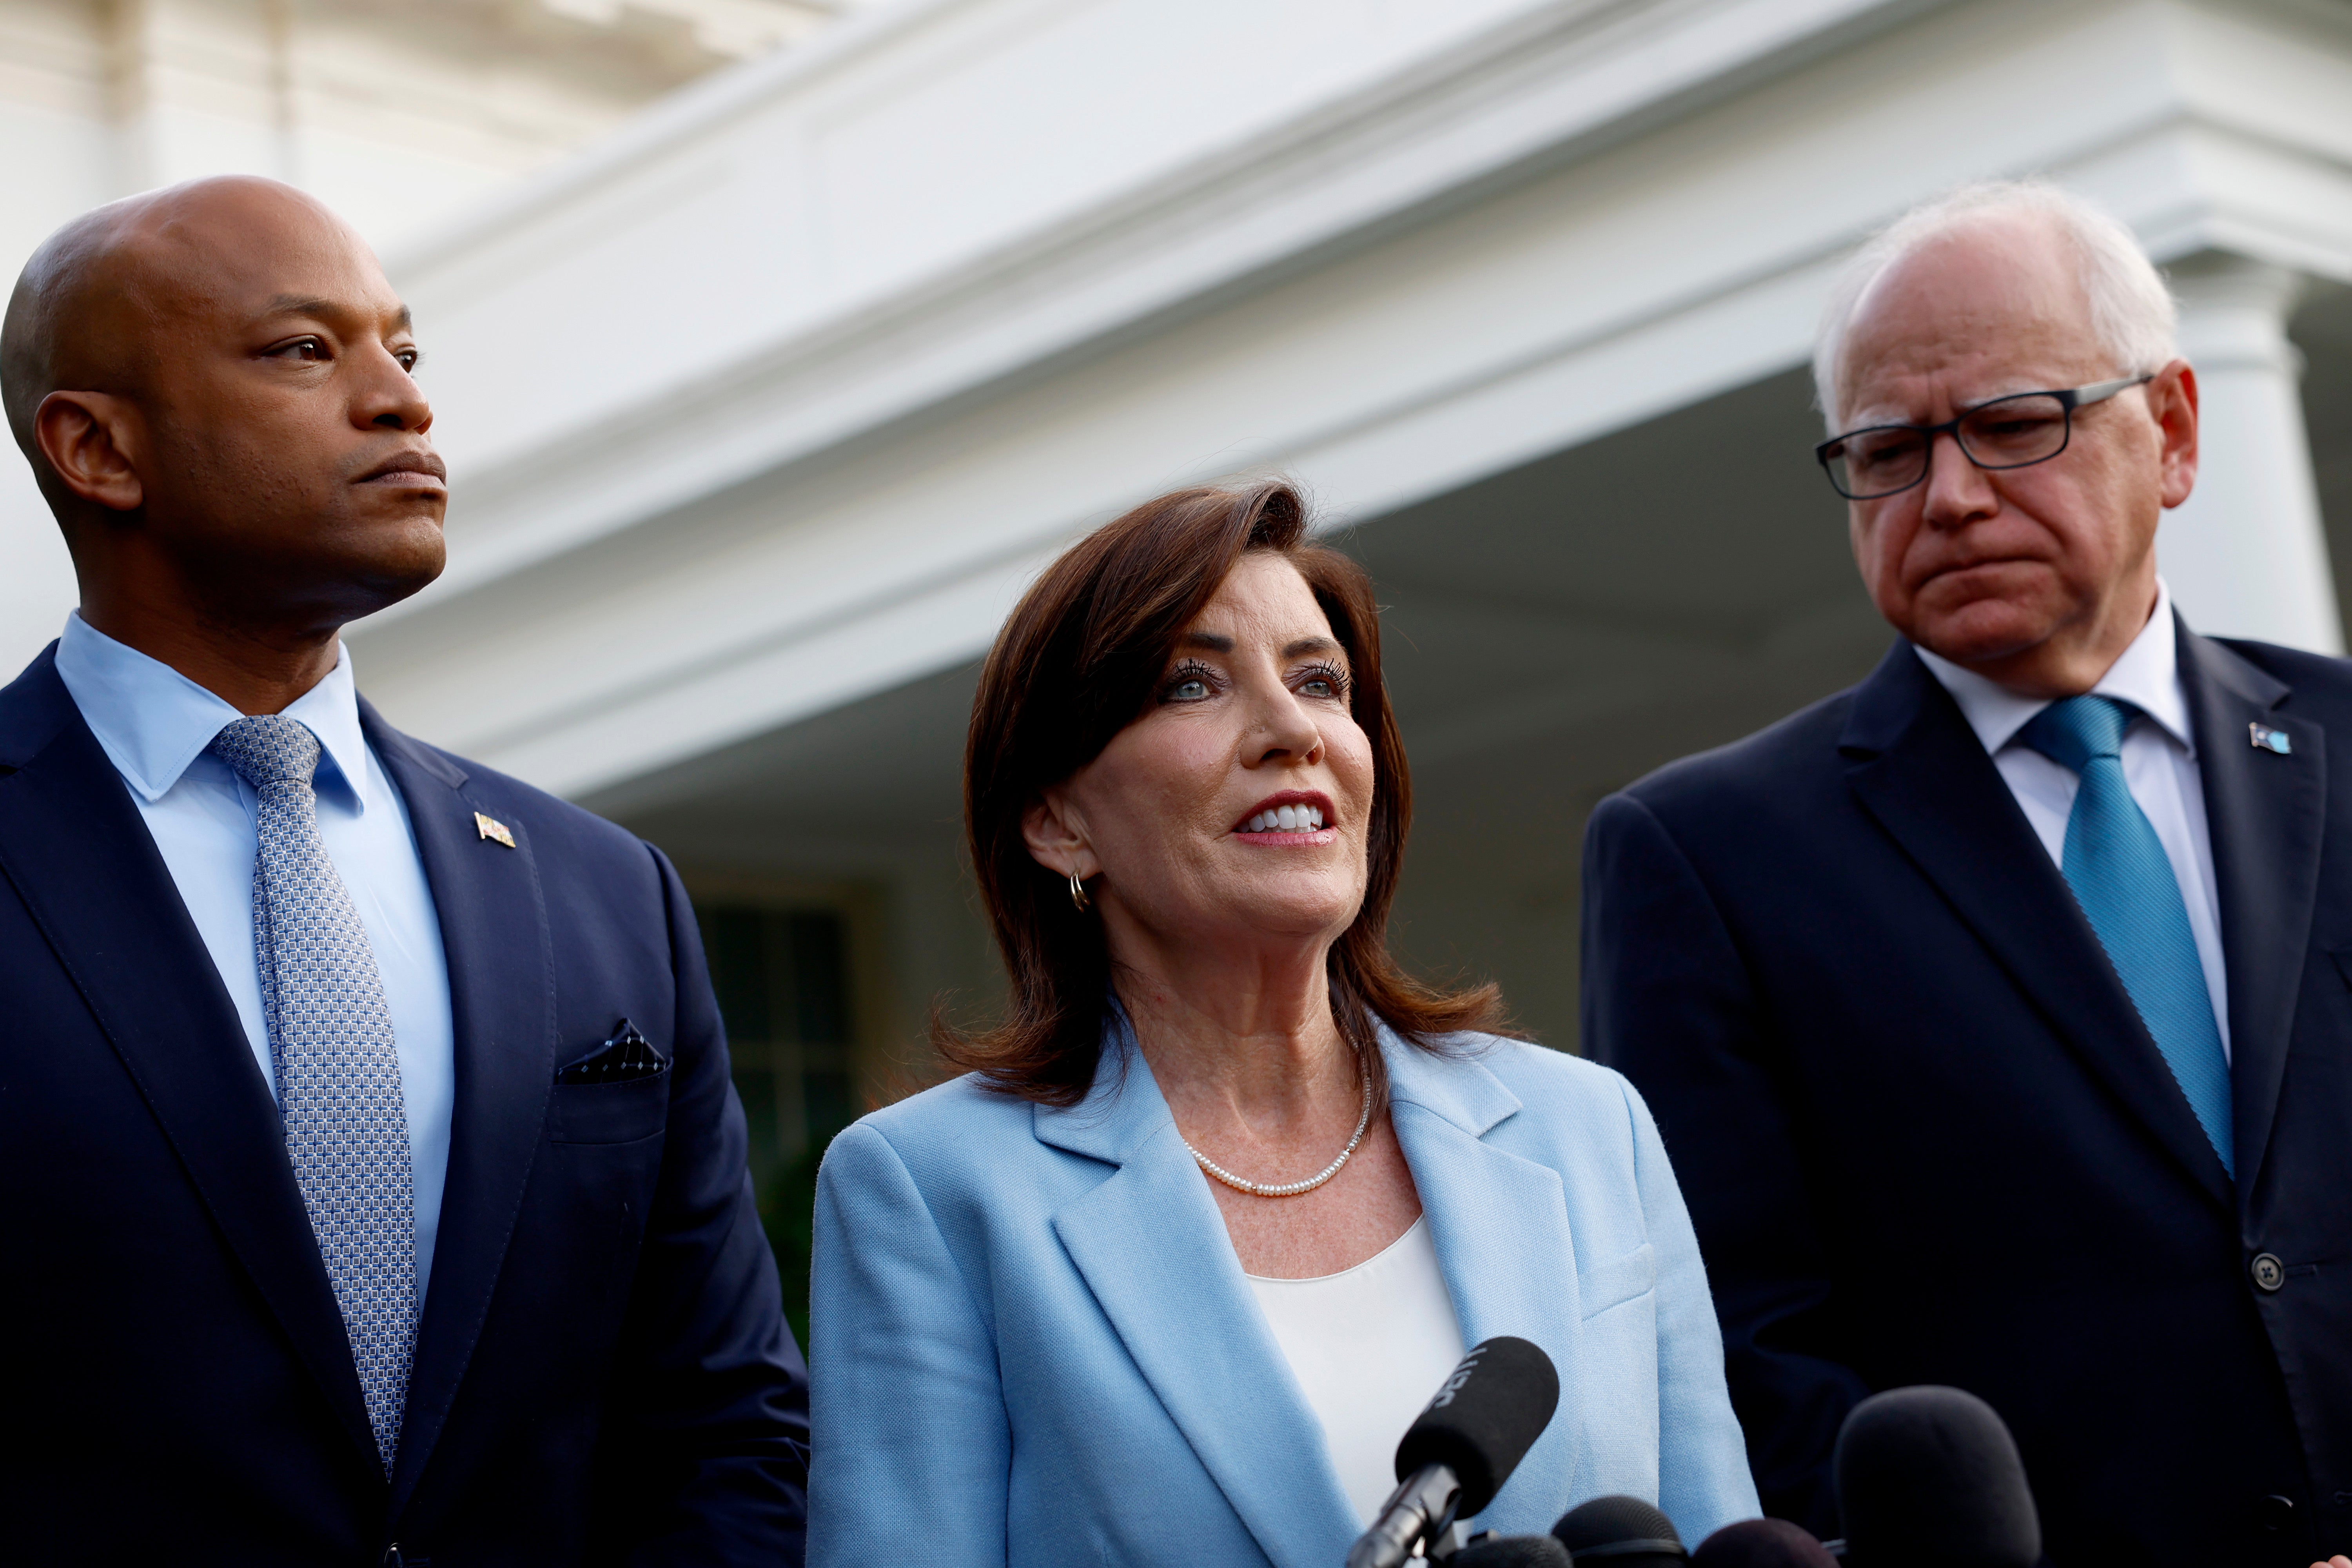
column 1079, row 894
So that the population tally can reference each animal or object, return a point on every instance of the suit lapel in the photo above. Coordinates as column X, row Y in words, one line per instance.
column 502, row 1003
column 1485, row 1208
column 1153, row 1250
column 2266, row 814
column 73, row 844
column 1922, row 773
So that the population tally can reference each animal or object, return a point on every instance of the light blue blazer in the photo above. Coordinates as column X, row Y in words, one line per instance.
column 1031, row 1343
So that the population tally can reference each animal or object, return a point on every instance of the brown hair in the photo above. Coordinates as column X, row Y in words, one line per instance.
column 1073, row 666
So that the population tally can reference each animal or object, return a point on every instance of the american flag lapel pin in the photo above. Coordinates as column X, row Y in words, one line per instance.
column 2266, row 739
column 491, row 828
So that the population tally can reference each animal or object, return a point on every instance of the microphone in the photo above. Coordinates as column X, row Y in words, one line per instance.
column 1511, row 1552
column 1458, row 1452
column 1622, row 1532
column 1762, row 1543
column 1930, row 1478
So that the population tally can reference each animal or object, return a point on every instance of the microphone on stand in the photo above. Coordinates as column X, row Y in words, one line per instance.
column 1620, row 1532
column 1511, row 1552
column 1930, row 1478
column 1458, row 1452
column 1762, row 1543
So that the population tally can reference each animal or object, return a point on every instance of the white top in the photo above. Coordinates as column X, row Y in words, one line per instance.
column 2159, row 758
column 153, row 725
column 1371, row 1347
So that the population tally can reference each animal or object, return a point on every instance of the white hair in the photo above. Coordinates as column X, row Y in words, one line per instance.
column 2131, row 312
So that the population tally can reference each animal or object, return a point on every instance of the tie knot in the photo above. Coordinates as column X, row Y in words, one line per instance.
column 269, row 748
column 2072, row 733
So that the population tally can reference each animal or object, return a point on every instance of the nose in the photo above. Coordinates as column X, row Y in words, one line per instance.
column 1286, row 732
column 388, row 397
column 1957, row 492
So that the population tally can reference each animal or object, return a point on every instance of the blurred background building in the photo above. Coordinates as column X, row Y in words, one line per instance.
column 774, row 347
column 399, row 115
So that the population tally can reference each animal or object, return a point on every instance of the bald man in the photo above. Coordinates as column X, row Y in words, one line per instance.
column 1995, row 1011
column 376, row 1190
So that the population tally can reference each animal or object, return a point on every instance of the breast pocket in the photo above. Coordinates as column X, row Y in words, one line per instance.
column 608, row 1112
column 1620, row 1281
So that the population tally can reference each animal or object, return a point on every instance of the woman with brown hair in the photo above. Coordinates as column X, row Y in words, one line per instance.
column 1212, row 1214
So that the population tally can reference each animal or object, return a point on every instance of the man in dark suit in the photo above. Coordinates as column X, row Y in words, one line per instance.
column 1995, row 1011
column 377, row 1193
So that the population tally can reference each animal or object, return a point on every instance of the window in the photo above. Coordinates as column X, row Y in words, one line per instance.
column 782, row 979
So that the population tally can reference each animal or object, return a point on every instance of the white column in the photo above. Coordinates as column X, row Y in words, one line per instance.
column 2245, row 556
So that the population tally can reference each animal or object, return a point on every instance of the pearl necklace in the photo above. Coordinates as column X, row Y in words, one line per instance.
column 1288, row 1189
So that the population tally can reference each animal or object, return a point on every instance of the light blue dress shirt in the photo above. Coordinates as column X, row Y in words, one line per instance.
column 154, row 724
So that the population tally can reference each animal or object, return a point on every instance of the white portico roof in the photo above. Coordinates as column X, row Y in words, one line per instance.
column 777, row 401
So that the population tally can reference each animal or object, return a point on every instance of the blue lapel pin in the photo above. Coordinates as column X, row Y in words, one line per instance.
column 2266, row 739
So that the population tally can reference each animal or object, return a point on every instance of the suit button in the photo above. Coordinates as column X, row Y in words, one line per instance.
column 2274, row 1515
column 2269, row 1274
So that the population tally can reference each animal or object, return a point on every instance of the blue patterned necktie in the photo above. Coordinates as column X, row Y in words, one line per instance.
column 2123, row 880
column 338, row 1071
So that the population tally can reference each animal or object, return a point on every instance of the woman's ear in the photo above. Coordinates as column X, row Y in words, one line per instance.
column 1056, row 838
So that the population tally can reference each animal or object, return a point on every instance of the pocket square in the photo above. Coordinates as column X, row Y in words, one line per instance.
column 628, row 1054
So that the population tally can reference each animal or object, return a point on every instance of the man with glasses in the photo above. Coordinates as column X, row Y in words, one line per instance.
column 1995, row 1011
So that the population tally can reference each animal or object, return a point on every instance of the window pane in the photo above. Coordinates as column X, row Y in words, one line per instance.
column 819, row 976
column 827, row 1103
column 755, row 1085
column 735, row 940
column 782, row 980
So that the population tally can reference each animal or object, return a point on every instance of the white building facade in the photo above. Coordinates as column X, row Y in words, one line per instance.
column 396, row 115
column 761, row 411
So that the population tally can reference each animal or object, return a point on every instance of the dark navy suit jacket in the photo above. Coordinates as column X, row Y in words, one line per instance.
column 1927, row 1138
column 602, row 1374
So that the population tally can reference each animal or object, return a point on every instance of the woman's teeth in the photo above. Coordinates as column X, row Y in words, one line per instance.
column 1286, row 819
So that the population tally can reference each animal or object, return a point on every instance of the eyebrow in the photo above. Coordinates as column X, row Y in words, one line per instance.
column 311, row 305
column 1217, row 643
column 1866, row 419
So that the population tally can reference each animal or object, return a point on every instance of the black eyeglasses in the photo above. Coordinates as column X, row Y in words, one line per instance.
column 2013, row 432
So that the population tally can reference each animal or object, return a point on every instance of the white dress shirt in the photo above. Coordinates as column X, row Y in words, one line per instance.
column 2159, row 759
column 154, row 724
column 1367, row 1346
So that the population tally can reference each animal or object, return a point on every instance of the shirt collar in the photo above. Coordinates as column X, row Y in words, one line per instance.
column 152, row 721
column 2146, row 675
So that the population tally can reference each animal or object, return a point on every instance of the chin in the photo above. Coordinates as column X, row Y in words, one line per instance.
column 395, row 564
column 1978, row 639
column 1978, row 628
column 1306, row 916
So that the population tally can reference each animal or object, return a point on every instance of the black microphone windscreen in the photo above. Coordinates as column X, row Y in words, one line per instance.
column 1762, row 1543
column 1620, row 1532
column 1512, row 1552
column 1930, row 1478
column 1486, row 1418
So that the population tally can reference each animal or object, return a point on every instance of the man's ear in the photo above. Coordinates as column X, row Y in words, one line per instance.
column 2172, row 399
column 1057, row 838
column 90, row 439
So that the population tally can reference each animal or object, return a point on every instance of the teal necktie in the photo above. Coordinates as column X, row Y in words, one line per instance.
column 2121, row 877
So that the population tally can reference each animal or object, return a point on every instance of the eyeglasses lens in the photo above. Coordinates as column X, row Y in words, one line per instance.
column 1879, row 462
column 2011, row 433
column 2015, row 431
